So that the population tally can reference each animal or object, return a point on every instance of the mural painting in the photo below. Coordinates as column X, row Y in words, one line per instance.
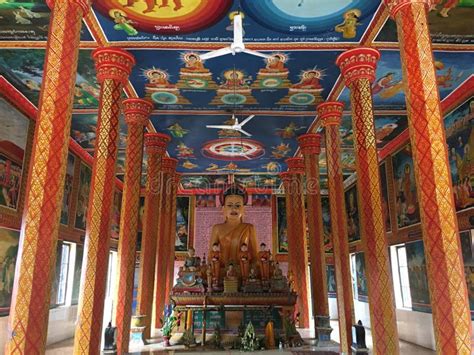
column 467, row 247
column 361, row 279
column 385, row 204
column 9, row 240
column 76, row 285
column 205, row 201
column 258, row 181
column 182, row 223
column 282, row 230
column 449, row 22
column 115, row 216
column 67, row 196
column 331, row 281
column 203, row 181
column 326, row 220
column 24, row 69
column 406, row 204
column 13, row 139
column 83, row 196
column 141, row 211
column 352, row 210
column 419, row 289
column 261, row 200
column 460, row 139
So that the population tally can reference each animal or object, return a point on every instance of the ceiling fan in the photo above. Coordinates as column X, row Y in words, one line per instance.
column 236, row 126
column 237, row 46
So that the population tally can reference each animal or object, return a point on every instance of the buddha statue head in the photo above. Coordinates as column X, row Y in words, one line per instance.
column 233, row 202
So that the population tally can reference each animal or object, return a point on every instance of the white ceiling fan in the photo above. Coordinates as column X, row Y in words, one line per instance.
column 236, row 126
column 237, row 46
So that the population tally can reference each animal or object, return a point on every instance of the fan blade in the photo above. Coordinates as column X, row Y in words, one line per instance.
column 258, row 54
column 216, row 53
column 242, row 131
column 220, row 127
column 246, row 120
column 238, row 31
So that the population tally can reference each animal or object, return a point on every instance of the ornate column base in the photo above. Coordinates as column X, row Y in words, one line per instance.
column 323, row 330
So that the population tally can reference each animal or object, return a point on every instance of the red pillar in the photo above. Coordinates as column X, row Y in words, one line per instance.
column 28, row 322
column 310, row 145
column 297, row 246
column 330, row 113
column 136, row 113
column 358, row 69
column 448, row 292
column 113, row 67
column 155, row 146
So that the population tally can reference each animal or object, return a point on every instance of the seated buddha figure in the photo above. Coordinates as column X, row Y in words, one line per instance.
column 231, row 234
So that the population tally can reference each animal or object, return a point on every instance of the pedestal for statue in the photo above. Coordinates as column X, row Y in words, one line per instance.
column 323, row 330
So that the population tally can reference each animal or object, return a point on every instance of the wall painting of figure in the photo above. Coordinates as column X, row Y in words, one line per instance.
column 282, row 230
column 83, row 197
column 182, row 223
column 9, row 240
column 419, row 289
column 67, row 196
column 352, row 210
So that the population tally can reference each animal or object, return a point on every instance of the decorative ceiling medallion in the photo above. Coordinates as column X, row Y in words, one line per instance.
column 163, row 16
column 238, row 149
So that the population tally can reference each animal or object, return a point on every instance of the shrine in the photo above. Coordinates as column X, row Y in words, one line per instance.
column 291, row 176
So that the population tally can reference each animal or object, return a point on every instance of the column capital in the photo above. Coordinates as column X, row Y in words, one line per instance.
column 168, row 165
column 395, row 5
column 287, row 178
column 330, row 113
column 155, row 143
column 295, row 165
column 84, row 4
column 358, row 63
column 310, row 143
column 137, row 111
column 113, row 63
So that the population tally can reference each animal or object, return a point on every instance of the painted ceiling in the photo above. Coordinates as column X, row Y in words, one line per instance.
column 304, row 38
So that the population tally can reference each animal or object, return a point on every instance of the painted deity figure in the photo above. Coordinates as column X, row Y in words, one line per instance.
column 349, row 27
column 157, row 79
column 231, row 274
column 193, row 64
column 231, row 234
column 264, row 260
column 309, row 80
column 122, row 23
column 234, row 79
column 275, row 64
column 244, row 261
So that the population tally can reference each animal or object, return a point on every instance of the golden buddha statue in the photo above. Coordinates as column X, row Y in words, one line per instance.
column 231, row 234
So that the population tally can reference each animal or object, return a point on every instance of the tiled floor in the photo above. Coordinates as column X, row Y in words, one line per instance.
column 65, row 347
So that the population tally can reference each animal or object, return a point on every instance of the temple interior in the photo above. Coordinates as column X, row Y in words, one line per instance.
column 236, row 175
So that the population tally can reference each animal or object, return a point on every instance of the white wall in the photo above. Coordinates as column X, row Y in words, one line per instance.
column 333, row 308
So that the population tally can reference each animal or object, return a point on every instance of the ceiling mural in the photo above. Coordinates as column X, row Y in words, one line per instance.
column 452, row 68
column 263, row 21
column 288, row 70
column 449, row 22
column 215, row 150
column 28, row 21
column 286, row 82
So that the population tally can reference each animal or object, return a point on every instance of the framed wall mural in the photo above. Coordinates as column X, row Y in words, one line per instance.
column 56, row 276
column 182, row 223
column 260, row 200
column 417, row 275
column 83, row 197
column 67, row 196
column 326, row 220
column 460, row 140
column 385, row 204
column 331, row 280
column 205, row 201
column 282, row 231
column 406, row 203
column 76, row 285
column 361, row 279
column 13, row 139
column 352, row 210
column 9, row 240
column 467, row 246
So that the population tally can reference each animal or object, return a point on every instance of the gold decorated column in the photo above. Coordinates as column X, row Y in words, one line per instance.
column 296, row 224
column 172, row 237
column 29, row 311
column 136, row 113
column 165, row 238
column 448, row 292
column 310, row 145
column 330, row 114
column 155, row 147
column 113, row 66
column 358, row 70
